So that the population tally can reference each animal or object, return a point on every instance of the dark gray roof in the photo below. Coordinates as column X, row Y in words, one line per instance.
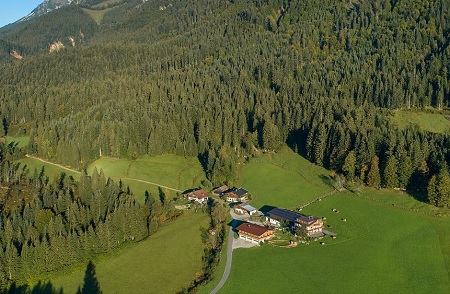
column 240, row 191
column 279, row 213
column 307, row 219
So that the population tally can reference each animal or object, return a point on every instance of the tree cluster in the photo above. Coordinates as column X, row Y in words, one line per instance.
column 47, row 225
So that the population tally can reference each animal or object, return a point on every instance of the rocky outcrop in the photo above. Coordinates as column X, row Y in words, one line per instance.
column 16, row 55
column 72, row 41
column 56, row 47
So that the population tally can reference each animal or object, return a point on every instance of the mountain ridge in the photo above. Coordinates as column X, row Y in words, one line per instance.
column 46, row 7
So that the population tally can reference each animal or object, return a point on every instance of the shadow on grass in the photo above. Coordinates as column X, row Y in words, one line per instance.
column 91, row 284
column 328, row 181
column 419, row 195
column 40, row 288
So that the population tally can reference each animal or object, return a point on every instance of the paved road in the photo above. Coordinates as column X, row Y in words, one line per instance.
column 226, row 273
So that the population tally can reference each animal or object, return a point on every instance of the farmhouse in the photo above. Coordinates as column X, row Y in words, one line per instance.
column 198, row 195
column 254, row 233
column 313, row 225
column 220, row 191
column 245, row 209
column 236, row 194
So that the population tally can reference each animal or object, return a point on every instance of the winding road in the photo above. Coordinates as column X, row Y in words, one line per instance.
column 226, row 273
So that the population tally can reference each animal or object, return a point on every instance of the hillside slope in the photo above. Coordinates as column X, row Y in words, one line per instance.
column 221, row 80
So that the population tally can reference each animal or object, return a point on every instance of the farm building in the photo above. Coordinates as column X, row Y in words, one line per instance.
column 245, row 209
column 313, row 225
column 236, row 195
column 199, row 195
column 220, row 191
column 254, row 233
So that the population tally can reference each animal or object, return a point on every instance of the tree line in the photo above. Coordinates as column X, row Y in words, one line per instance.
column 48, row 225
column 220, row 80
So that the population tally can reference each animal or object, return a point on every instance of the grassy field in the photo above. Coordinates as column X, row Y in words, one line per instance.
column 164, row 263
column 50, row 170
column 284, row 179
column 97, row 15
column 22, row 140
column 388, row 244
column 169, row 170
column 432, row 122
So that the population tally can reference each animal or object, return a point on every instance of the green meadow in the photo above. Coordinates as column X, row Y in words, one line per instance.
column 52, row 171
column 384, row 246
column 22, row 141
column 432, row 122
column 388, row 243
column 165, row 262
column 168, row 170
column 97, row 15
column 284, row 179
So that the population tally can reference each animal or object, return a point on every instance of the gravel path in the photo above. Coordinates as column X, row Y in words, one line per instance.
column 51, row 163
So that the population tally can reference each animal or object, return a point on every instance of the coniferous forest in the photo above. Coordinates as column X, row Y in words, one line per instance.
column 48, row 225
column 219, row 80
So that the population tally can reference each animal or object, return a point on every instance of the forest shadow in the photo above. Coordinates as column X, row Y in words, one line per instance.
column 40, row 288
column 418, row 195
column 203, row 159
column 328, row 180
column 90, row 284
column 295, row 141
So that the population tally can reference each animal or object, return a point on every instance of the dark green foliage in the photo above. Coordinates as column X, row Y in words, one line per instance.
column 226, row 79
column 36, row 35
column 64, row 222
column 213, row 239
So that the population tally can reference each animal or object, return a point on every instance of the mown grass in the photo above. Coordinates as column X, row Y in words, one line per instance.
column 163, row 263
column 168, row 170
column 432, row 122
column 386, row 246
column 50, row 170
column 283, row 178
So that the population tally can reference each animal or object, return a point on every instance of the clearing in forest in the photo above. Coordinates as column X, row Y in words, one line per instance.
column 167, row 170
column 431, row 122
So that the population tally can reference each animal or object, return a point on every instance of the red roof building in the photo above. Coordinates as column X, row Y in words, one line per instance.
column 254, row 233
column 200, row 195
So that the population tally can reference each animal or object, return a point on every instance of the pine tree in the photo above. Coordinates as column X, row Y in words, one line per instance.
column 349, row 166
column 390, row 178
